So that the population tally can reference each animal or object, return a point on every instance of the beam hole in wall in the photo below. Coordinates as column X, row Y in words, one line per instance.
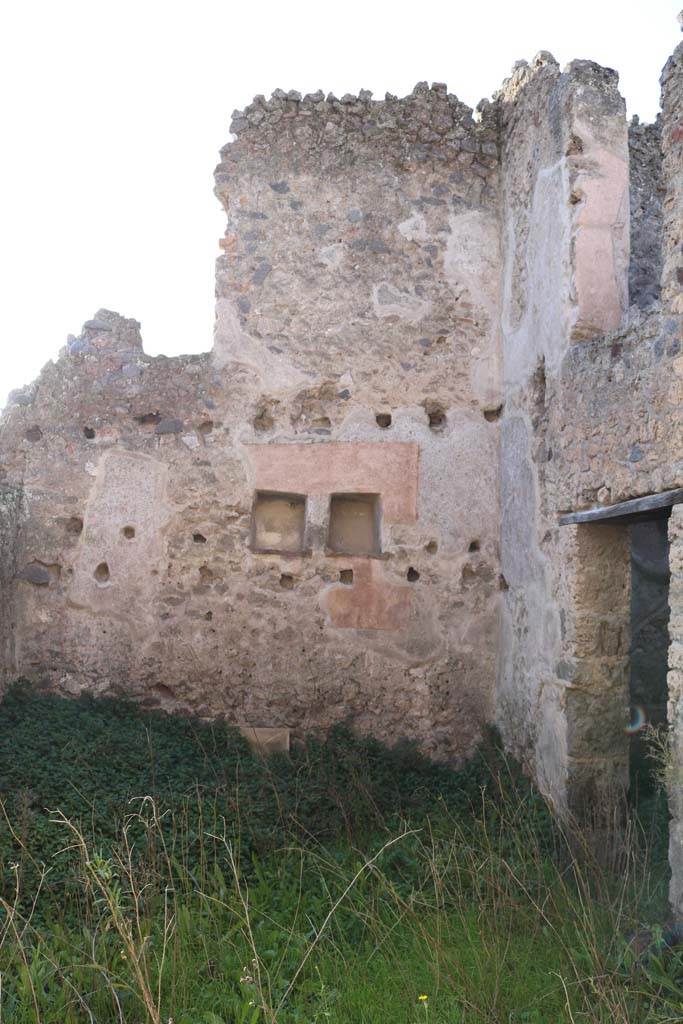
column 437, row 418
column 493, row 413
column 286, row 581
column 148, row 419
column 412, row 575
column 101, row 573
column 354, row 527
column 206, row 427
column 383, row 420
column 74, row 524
column 33, row 434
column 474, row 545
column 432, row 547
column 89, row 432
column 346, row 577
column 278, row 522
column 128, row 532
column 199, row 538
column 263, row 420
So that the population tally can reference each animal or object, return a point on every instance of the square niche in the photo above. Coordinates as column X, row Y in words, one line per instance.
column 278, row 523
column 354, row 524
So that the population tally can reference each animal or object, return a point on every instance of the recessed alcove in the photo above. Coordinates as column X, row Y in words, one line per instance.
column 278, row 522
column 354, row 527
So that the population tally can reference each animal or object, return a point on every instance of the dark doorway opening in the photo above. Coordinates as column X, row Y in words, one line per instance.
column 648, row 693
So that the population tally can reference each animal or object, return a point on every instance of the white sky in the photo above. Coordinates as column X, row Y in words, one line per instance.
column 114, row 112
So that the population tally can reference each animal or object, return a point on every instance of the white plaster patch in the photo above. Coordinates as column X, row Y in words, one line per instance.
column 190, row 440
column 387, row 300
column 129, row 494
column 415, row 228
column 472, row 270
column 543, row 327
column 232, row 345
column 332, row 255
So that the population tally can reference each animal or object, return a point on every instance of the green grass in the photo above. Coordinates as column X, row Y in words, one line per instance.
column 154, row 871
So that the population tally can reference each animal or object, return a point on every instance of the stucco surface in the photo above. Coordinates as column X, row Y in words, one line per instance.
column 416, row 304
column 356, row 351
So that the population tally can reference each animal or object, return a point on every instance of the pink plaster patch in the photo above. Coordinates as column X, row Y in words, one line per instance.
column 601, row 239
column 371, row 603
column 388, row 469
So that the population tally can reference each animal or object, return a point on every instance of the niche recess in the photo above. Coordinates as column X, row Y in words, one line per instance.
column 278, row 523
column 354, row 524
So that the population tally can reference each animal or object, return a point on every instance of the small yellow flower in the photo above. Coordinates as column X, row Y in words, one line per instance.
column 423, row 999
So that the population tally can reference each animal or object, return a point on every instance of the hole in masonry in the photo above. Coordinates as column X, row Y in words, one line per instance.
column 437, row 419
column 264, row 420
column 208, row 616
column 321, row 423
column 383, row 420
column 474, row 545
column 432, row 547
column 199, row 538
column 148, row 419
column 33, row 434
column 128, row 532
column 287, row 581
column 412, row 575
column 206, row 427
column 89, row 432
column 74, row 525
column 575, row 145
column 494, row 413
column 503, row 583
column 346, row 576
column 101, row 573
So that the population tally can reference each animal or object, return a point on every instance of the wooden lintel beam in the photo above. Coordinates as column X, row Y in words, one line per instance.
column 625, row 509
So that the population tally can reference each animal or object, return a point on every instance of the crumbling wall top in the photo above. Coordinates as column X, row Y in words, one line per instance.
column 429, row 124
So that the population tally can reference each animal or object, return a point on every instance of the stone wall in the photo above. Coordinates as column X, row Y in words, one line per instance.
column 645, row 186
column 672, row 152
column 350, row 508
column 565, row 193
column 301, row 526
column 10, row 508
column 593, row 416
column 675, row 684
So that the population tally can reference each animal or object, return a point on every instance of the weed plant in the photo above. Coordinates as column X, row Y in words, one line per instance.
column 155, row 870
